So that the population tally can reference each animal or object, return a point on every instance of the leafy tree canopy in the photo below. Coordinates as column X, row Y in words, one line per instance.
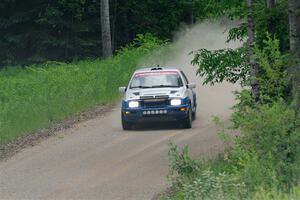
column 37, row 30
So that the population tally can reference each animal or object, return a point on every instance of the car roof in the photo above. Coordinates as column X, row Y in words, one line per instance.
column 155, row 69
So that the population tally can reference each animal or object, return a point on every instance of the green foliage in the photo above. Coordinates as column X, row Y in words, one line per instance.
column 207, row 185
column 232, row 66
column 272, row 21
column 238, row 33
column 34, row 97
column 65, row 30
column 181, row 164
column 221, row 65
column 37, row 31
column 194, row 180
column 273, row 77
column 267, row 21
column 221, row 8
column 264, row 160
column 269, row 140
column 264, row 157
column 274, row 194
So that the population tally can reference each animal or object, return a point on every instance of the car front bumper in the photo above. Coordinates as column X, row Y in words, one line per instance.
column 169, row 113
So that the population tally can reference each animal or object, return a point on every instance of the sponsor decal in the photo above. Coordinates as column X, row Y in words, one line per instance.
column 139, row 74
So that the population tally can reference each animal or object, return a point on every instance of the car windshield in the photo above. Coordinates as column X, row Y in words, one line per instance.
column 156, row 79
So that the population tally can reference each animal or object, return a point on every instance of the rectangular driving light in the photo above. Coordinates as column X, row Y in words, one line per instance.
column 133, row 104
column 155, row 112
column 175, row 102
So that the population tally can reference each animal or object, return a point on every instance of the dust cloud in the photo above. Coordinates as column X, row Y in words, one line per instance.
column 214, row 100
column 211, row 35
column 98, row 160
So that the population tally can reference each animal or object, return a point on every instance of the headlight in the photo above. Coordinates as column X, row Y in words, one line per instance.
column 133, row 104
column 175, row 102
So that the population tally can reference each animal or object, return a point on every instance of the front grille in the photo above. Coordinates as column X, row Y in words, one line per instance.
column 155, row 103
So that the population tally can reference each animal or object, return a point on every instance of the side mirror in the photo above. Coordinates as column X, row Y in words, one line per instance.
column 191, row 85
column 122, row 89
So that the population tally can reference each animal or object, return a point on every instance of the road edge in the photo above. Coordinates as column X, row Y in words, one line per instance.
column 32, row 139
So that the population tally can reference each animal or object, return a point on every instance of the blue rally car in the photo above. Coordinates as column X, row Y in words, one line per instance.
column 156, row 94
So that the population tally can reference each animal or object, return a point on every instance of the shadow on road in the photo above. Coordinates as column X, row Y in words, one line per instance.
column 147, row 126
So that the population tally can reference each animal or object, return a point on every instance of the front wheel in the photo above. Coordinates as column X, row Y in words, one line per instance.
column 194, row 115
column 126, row 125
column 187, row 123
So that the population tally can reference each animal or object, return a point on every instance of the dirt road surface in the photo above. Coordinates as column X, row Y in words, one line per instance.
column 98, row 160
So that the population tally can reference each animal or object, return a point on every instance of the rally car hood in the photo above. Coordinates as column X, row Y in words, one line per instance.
column 154, row 92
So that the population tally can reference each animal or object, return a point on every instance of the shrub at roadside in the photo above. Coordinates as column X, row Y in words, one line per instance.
column 265, row 157
column 267, row 151
column 263, row 194
column 34, row 97
column 195, row 179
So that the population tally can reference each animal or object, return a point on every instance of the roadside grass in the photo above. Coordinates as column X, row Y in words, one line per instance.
column 36, row 96
column 262, row 164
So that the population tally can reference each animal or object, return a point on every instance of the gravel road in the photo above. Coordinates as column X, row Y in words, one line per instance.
column 98, row 160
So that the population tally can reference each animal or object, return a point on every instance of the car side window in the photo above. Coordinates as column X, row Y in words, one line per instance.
column 185, row 78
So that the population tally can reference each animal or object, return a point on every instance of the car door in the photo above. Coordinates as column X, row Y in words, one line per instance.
column 190, row 91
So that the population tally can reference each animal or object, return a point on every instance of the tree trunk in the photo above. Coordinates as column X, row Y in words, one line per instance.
column 270, row 3
column 126, row 31
column 191, row 16
column 294, row 18
column 114, row 24
column 251, row 42
column 272, row 22
column 294, row 21
column 105, row 28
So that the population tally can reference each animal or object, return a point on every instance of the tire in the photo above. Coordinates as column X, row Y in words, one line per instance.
column 187, row 123
column 126, row 125
column 194, row 115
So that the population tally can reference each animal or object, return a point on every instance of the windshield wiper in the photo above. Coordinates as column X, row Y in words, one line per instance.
column 159, row 86
column 140, row 86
